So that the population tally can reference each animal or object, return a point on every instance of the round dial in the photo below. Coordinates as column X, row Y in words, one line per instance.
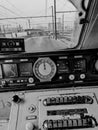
column 44, row 69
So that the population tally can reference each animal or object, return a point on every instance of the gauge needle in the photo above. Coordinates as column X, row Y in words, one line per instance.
column 44, row 66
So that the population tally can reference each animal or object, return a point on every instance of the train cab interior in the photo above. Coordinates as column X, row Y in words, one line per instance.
column 49, row 65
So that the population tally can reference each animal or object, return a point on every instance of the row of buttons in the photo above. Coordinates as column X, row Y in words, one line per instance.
column 11, row 49
column 67, row 100
column 70, row 123
column 10, row 44
column 72, row 77
column 5, row 83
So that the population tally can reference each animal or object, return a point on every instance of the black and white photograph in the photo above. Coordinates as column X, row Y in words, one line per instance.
column 48, row 64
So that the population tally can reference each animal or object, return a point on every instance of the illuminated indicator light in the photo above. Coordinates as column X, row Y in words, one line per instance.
column 60, row 77
column 2, row 49
column 17, row 43
column 22, row 81
column 19, row 49
column 15, row 49
column 3, row 44
column 82, row 76
column 23, row 59
column 31, row 80
column 63, row 57
column 7, row 49
column 25, row 80
column 78, row 56
column 18, row 81
column 11, row 81
column 58, row 64
column 71, row 77
column 31, row 117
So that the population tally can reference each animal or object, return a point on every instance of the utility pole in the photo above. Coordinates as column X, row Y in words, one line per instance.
column 55, row 19
column 4, row 29
column 46, row 8
column 29, row 23
column 52, row 20
column 63, row 23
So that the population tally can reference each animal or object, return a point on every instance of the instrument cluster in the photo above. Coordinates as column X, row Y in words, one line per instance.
column 26, row 71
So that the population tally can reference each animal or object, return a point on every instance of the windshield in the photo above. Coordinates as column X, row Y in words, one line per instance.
column 45, row 25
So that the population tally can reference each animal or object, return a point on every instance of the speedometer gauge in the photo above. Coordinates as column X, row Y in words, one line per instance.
column 44, row 69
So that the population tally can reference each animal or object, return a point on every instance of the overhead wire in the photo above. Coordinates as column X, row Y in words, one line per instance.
column 5, row 15
column 15, row 7
column 8, row 10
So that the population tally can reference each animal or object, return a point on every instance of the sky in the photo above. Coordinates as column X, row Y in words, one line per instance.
column 20, row 8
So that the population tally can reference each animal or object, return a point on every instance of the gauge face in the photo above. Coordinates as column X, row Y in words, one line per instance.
column 44, row 69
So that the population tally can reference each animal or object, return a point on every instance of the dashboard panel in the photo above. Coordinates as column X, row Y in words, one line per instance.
column 10, row 45
column 28, row 71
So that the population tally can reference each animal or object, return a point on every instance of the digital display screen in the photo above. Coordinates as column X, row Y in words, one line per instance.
column 10, row 70
column 0, row 72
column 80, row 65
column 63, row 66
column 25, row 69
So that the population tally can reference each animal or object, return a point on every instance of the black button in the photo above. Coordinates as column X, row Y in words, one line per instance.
column 16, row 99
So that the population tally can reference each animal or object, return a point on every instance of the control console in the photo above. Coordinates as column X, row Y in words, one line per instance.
column 28, row 71
column 55, row 109
column 50, row 90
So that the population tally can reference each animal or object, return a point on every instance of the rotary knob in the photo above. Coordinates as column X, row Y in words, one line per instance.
column 16, row 99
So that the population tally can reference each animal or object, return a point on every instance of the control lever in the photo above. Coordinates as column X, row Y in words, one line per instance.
column 84, row 122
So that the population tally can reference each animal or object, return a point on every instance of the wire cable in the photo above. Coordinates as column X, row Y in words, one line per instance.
column 15, row 7
column 8, row 10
